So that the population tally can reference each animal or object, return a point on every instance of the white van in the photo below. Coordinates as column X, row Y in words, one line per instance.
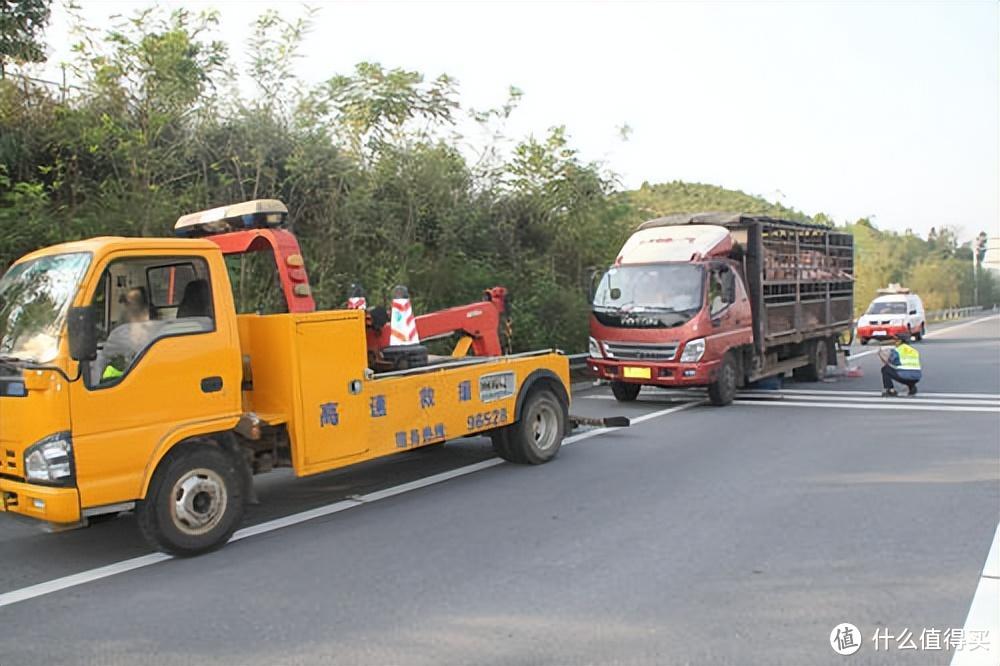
column 891, row 314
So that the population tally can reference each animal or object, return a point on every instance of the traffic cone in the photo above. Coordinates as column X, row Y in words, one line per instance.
column 403, row 325
column 356, row 301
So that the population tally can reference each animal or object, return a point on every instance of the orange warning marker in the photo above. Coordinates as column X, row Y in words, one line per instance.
column 403, row 325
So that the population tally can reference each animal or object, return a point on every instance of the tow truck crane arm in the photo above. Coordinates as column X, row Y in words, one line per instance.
column 478, row 323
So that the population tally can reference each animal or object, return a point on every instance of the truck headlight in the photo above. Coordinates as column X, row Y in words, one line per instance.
column 896, row 322
column 693, row 351
column 50, row 460
column 595, row 348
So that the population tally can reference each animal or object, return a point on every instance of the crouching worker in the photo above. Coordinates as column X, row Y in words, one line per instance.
column 901, row 364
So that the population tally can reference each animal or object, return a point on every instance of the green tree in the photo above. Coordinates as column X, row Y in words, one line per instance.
column 21, row 25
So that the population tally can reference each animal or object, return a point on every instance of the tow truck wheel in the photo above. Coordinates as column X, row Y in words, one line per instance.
column 625, row 392
column 537, row 435
column 194, row 502
column 722, row 391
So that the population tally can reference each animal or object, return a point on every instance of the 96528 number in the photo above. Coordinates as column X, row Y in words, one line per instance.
column 488, row 419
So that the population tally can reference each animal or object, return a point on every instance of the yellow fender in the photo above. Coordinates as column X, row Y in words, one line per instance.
column 179, row 435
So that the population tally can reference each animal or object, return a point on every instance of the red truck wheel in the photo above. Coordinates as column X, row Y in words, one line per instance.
column 722, row 391
column 815, row 370
column 625, row 392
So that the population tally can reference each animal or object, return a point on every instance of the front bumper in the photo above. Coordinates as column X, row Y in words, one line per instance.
column 701, row 373
column 52, row 505
column 877, row 332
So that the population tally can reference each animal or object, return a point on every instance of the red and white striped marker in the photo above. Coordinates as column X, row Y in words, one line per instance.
column 357, row 301
column 403, row 325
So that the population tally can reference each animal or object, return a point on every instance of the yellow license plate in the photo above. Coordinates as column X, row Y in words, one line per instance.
column 637, row 373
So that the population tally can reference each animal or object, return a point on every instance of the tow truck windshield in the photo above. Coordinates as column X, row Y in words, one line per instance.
column 650, row 295
column 34, row 298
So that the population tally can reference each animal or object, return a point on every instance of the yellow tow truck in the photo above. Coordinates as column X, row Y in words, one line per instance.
column 129, row 381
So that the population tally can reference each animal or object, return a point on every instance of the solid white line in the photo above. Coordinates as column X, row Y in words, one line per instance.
column 73, row 580
column 429, row 481
column 975, row 399
column 984, row 614
column 48, row 587
column 931, row 333
column 294, row 519
column 896, row 404
column 992, row 567
column 866, row 399
column 938, row 331
column 838, row 392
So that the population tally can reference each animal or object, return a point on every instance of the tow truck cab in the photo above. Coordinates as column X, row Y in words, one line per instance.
column 128, row 380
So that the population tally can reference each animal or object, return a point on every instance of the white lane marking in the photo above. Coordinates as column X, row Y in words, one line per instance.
column 48, row 587
column 922, row 394
column 895, row 404
column 938, row 331
column 840, row 396
column 639, row 401
column 984, row 614
column 917, row 399
column 294, row 519
column 992, row 568
column 931, row 333
column 73, row 580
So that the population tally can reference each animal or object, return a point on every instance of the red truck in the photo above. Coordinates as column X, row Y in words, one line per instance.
column 719, row 300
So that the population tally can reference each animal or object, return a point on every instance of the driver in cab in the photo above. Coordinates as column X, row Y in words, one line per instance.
column 127, row 339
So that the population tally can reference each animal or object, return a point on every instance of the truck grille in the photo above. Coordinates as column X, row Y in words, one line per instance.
column 8, row 461
column 635, row 351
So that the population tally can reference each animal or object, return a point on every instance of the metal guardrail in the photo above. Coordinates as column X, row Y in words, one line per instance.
column 957, row 313
column 577, row 361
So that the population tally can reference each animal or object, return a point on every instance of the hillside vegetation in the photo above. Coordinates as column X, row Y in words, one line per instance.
column 381, row 186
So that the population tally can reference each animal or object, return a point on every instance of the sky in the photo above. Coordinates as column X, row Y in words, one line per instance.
column 856, row 109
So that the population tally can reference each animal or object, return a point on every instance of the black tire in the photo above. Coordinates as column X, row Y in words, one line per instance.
column 722, row 391
column 194, row 503
column 920, row 335
column 537, row 435
column 815, row 370
column 863, row 341
column 625, row 392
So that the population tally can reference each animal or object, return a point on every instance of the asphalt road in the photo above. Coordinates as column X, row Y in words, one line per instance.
column 700, row 535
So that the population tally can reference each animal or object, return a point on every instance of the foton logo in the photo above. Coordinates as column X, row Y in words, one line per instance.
column 631, row 320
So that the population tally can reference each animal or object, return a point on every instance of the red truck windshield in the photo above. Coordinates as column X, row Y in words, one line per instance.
column 656, row 295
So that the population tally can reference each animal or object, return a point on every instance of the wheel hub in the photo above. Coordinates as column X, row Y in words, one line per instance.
column 544, row 423
column 199, row 501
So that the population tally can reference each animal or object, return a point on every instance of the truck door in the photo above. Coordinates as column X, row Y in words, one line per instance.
column 165, row 360
column 728, row 306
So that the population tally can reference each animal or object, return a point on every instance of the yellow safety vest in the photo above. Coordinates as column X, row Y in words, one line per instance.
column 909, row 358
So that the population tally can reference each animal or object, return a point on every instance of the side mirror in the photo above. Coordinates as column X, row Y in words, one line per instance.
column 595, row 279
column 728, row 287
column 81, row 326
column 615, row 293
